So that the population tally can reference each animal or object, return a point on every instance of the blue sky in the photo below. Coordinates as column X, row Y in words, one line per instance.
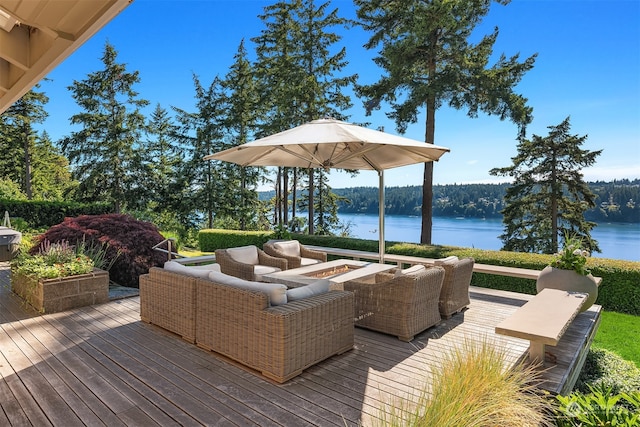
column 588, row 67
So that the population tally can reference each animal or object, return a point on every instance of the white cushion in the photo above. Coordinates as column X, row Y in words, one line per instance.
column 448, row 260
column 201, row 271
column 309, row 261
column 244, row 254
column 413, row 270
column 289, row 248
column 277, row 292
column 261, row 270
column 315, row 288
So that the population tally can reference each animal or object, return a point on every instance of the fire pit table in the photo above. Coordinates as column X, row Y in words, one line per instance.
column 337, row 271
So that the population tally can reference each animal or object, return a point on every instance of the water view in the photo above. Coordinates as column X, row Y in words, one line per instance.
column 617, row 241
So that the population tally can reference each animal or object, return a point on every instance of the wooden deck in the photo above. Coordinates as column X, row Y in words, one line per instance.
column 101, row 365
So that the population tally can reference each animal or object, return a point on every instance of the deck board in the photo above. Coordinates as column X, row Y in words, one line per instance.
column 101, row 365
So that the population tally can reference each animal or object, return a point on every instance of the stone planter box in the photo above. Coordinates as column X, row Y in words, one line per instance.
column 64, row 293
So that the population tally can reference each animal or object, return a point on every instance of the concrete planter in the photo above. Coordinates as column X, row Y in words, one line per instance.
column 568, row 280
column 63, row 293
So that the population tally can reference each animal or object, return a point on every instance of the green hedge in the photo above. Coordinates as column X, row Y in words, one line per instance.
column 212, row 239
column 40, row 214
column 619, row 291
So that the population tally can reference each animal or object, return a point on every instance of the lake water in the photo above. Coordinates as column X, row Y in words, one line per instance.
column 617, row 241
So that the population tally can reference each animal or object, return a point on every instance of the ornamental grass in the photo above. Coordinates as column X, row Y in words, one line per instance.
column 472, row 388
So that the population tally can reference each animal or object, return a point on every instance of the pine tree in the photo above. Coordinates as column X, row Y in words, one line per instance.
column 201, row 133
column 241, row 119
column 299, row 76
column 428, row 61
column 548, row 197
column 103, row 153
column 19, row 137
column 51, row 175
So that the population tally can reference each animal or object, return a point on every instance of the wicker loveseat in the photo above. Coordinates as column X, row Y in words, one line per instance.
column 402, row 304
column 280, row 341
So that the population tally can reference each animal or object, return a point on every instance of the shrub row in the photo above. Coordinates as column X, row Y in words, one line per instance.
column 39, row 214
column 619, row 291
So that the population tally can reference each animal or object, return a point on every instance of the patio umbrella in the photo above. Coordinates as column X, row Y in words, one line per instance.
column 329, row 143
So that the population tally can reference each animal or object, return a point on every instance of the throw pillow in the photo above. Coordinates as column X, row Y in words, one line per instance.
column 289, row 248
column 244, row 254
column 277, row 292
column 201, row 271
column 448, row 260
column 315, row 288
column 413, row 270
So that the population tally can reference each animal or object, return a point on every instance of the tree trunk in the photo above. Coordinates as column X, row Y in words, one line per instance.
column 311, row 201
column 427, row 180
column 27, row 162
column 285, row 196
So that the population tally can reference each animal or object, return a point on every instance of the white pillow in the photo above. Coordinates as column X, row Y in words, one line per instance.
column 315, row 288
column 276, row 291
column 414, row 269
column 289, row 248
column 201, row 271
column 244, row 254
column 448, row 260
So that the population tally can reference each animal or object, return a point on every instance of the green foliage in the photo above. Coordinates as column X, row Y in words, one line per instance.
column 600, row 407
column 619, row 333
column 10, row 190
column 52, row 260
column 472, row 388
column 607, row 370
column 212, row 239
column 548, row 197
column 572, row 257
column 104, row 153
column 43, row 214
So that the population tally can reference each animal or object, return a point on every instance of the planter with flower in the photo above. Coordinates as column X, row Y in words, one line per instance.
column 59, row 277
column 568, row 272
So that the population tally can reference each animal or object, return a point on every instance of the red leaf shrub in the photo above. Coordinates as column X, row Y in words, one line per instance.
column 132, row 238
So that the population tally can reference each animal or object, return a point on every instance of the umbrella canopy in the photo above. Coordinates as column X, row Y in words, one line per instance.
column 329, row 143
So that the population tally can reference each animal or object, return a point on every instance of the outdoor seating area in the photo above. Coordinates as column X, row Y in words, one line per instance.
column 102, row 364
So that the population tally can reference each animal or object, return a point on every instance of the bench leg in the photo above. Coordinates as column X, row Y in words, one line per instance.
column 536, row 352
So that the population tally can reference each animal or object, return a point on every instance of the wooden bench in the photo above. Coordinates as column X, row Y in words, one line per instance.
column 543, row 320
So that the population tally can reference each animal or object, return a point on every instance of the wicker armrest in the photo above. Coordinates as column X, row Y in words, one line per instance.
column 232, row 267
column 310, row 253
column 272, row 261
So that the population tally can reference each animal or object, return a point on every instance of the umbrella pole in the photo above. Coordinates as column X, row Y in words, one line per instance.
column 381, row 215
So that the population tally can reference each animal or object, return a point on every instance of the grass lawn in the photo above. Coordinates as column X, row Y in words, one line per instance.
column 619, row 333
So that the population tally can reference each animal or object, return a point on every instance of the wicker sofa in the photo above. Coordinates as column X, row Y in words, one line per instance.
column 278, row 341
column 402, row 304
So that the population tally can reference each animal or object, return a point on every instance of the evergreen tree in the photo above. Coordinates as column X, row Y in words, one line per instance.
column 299, row 76
column 104, row 153
column 548, row 197
column 428, row 61
column 163, row 162
column 19, row 138
column 51, row 175
column 210, row 184
column 241, row 119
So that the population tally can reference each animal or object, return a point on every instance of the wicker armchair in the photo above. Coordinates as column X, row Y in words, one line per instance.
column 402, row 305
column 296, row 254
column 248, row 262
column 454, row 296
